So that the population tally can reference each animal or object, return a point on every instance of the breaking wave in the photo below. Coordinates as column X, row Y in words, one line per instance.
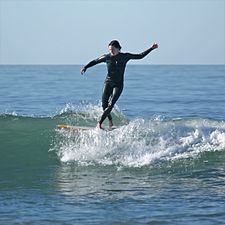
column 139, row 142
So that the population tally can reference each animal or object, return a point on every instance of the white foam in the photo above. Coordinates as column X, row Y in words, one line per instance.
column 142, row 142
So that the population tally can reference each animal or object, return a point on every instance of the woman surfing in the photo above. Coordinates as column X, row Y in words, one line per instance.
column 116, row 63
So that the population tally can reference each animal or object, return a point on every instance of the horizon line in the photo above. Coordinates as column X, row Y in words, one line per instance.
column 70, row 64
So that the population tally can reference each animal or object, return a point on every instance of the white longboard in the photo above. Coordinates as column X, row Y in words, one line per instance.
column 80, row 128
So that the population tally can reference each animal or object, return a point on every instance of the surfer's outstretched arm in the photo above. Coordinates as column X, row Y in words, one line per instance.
column 143, row 54
column 93, row 63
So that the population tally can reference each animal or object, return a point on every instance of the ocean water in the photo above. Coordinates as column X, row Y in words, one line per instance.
column 164, row 164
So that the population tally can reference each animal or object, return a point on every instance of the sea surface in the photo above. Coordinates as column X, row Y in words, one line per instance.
column 164, row 164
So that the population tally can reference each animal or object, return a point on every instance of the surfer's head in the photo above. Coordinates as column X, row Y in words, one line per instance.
column 114, row 47
column 115, row 44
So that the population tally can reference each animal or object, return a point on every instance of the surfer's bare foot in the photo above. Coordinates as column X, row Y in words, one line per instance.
column 99, row 126
column 110, row 124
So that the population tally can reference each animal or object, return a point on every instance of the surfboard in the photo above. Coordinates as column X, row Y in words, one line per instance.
column 80, row 128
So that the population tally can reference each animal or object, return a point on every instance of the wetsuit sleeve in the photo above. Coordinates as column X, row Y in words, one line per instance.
column 139, row 56
column 96, row 61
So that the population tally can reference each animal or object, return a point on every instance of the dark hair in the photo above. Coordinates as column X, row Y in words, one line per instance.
column 115, row 44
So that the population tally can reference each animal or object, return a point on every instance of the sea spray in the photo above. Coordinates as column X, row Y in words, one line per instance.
column 87, row 114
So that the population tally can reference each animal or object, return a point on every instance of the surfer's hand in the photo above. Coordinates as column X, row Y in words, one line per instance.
column 154, row 46
column 82, row 71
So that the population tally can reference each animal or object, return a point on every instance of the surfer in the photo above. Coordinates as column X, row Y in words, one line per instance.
column 116, row 62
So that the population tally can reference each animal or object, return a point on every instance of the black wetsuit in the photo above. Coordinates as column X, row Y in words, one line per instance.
column 115, row 77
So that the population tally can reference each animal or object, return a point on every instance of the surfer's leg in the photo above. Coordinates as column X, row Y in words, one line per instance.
column 107, row 92
column 115, row 96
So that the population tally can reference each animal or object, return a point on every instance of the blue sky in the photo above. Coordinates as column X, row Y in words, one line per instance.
column 77, row 31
